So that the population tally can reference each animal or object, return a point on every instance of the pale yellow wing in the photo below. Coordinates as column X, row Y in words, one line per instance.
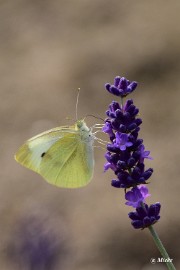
column 68, row 163
column 60, row 156
column 29, row 154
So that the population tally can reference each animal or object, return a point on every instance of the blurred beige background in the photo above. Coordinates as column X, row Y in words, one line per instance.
column 47, row 50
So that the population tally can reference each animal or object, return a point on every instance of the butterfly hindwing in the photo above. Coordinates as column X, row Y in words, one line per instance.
column 68, row 163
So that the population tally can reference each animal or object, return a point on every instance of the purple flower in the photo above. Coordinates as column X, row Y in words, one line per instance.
column 121, row 87
column 122, row 141
column 108, row 129
column 145, row 215
column 143, row 154
column 136, row 196
column 109, row 165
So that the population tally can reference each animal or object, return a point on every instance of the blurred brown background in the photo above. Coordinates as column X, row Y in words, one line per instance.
column 47, row 50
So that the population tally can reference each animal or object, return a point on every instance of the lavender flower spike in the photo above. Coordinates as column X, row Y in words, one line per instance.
column 125, row 157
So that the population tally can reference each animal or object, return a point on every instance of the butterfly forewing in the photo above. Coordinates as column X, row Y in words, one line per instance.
column 29, row 154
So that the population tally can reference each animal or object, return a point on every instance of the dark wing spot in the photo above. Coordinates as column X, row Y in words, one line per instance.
column 42, row 155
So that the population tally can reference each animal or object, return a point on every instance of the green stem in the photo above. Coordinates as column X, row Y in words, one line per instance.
column 122, row 102
column 161, row 248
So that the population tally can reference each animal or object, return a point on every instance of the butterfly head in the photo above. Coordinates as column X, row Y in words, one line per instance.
column 81, row 125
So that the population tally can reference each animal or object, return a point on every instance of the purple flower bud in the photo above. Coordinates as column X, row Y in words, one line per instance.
column 107, row 86
column 109, row 165
column 132, row 126
column 138, row 121
column 116, row 183
column 121, row 165
column 131, row 162
column 113, row 148
column 116, row 81
column 131, row 109
column 147, row 173
column 132, row 86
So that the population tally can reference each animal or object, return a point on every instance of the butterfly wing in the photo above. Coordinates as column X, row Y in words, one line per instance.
column 29, row 154
column 68, row 163
column 60, row 156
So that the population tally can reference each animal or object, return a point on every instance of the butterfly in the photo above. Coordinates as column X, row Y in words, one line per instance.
column 63, row 156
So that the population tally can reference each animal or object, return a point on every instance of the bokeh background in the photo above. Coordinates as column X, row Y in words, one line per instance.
column 47, row 50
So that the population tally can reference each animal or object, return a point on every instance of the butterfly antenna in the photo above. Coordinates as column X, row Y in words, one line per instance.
column 77, row 100
column 97, row 117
